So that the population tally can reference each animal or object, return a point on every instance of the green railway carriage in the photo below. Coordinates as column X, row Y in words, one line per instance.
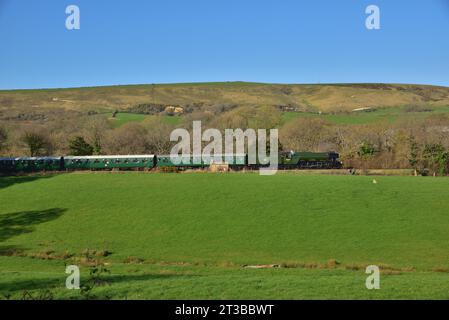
column 233, row 160
column 35, row 164
column 76, row 163
column 7, row 165
column 237, row 160
column 109, row 162
column 184, row 162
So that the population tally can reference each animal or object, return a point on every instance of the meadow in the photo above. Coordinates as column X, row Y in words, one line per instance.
column 124, row 117
column 389, row 115
column 187, row 236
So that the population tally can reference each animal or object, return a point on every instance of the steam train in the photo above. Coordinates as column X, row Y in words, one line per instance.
column 286, row 160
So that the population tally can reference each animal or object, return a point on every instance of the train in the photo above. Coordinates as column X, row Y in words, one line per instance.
column 286, row 160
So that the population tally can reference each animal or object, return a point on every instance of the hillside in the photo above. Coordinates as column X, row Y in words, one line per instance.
column 300, row 97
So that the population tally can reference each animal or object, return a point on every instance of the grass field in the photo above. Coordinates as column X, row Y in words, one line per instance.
column 123, row 117
column 176, row 236
column 385, row 114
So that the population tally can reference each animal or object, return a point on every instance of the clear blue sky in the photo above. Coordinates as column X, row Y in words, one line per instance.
column 282, row 41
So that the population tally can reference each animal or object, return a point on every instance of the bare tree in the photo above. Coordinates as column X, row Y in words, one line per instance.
column 158, row 135
column 95, row 131
column 128, row 139
column 37, row 142
column 306, row 134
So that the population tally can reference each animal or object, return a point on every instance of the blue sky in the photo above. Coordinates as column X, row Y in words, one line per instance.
column 281, row 41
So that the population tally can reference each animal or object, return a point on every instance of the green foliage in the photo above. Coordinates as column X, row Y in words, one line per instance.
column 95, row 279
column 79, row 147
column 367, row 149
column 437, row 158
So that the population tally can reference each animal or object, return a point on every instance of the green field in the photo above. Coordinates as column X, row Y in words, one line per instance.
column 385, row 114
column 123, row 117
column 181, row 236
column 379, row 115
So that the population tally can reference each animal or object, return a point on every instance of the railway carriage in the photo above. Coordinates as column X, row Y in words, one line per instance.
column 235, row 161
column 109, row 162
column 185, row 162
column 32, row 164
column 7, row 165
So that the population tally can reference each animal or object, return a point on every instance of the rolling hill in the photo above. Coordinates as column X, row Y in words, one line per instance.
column 300, row 97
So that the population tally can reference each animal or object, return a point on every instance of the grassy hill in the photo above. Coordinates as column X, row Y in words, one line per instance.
column 189, row 235
column 304, row 97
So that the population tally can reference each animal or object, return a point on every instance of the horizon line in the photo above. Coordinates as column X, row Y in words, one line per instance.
column 223, row 82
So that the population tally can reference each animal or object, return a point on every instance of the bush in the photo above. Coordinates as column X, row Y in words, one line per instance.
column 79, row 147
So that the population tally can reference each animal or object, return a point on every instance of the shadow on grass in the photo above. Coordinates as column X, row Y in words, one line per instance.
column 17, row 223
column 7, row 181
column 19, row 287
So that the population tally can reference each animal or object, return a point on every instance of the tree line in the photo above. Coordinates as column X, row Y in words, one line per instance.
column 417, row 143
